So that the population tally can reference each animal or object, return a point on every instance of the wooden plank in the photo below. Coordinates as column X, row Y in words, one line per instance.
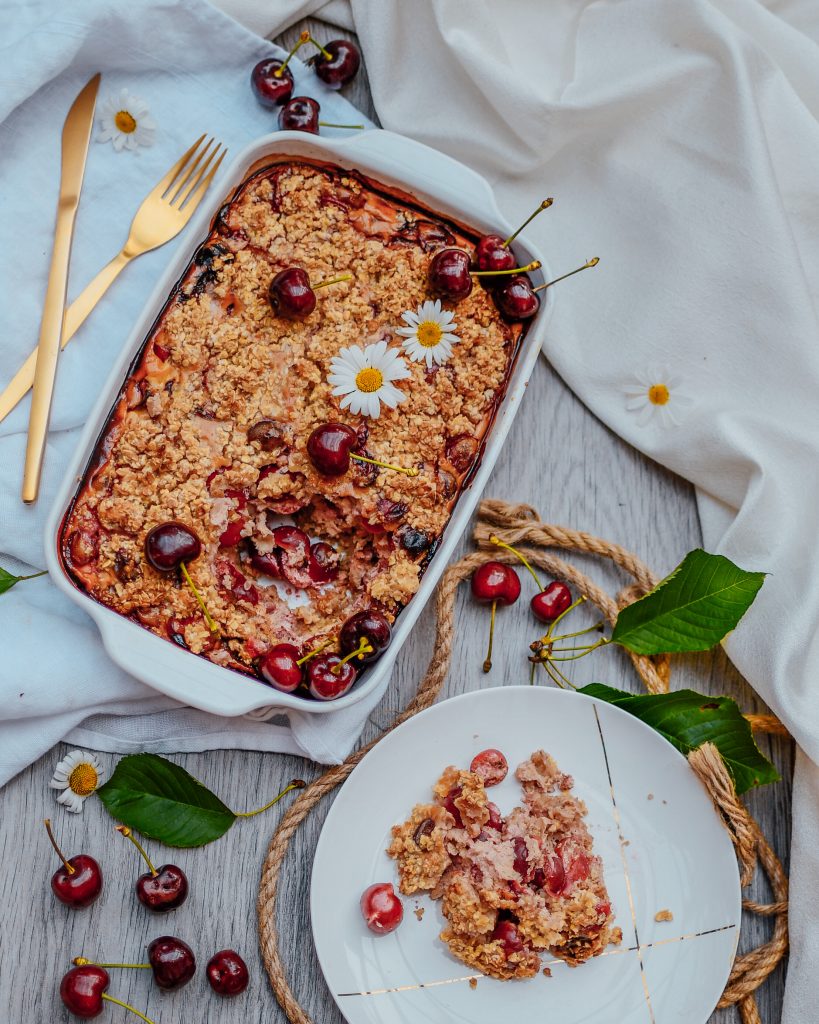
column 558, row 458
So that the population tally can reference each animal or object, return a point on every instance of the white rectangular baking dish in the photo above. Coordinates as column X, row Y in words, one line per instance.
column 446, row 187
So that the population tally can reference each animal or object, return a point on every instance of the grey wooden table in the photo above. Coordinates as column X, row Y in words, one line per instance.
column 590, row 480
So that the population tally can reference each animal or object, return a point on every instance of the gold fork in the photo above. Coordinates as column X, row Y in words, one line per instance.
column 162, row 215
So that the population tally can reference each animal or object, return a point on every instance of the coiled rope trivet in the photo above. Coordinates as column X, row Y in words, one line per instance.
column 519, row 525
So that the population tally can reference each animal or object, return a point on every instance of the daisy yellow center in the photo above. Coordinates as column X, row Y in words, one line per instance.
column 658, row 394
column 429, row 334
column 369, row 379
column 125, row 122
column 83, row 779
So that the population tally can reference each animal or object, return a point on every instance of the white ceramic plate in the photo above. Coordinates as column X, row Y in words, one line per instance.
column 669, row 851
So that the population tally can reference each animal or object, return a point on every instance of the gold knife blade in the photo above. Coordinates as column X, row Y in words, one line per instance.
column 75, row 139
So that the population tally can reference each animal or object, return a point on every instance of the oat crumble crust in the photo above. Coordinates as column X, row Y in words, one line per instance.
column 218, row 361
column 471, row 869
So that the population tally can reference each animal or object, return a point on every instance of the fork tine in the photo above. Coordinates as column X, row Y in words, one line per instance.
column 178, row 186
column 202, row 188
column 162, row 187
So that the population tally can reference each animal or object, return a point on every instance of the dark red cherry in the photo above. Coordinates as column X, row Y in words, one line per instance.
column 555, row 875
column 551, row 601
column 328, row 448
column 495, row 817
column 81, row 990
column 507, row 933
column 494, row 581
column 326, row 684
column 381, row 908
column 516, row 299
column 290, row 294
column 164, row 891
column 280, row 668
column 521, row 861
column 300, row 114
column 172, row 962
column 78, row 888
column 450, row 805
column 232, row 533
column 271, row 89
column 448, row 274
column 267, row 563
column 323, row 567
column 227, row 973
column 370, row 624
column 492, row 254
column 170, row 544
column 341, row 66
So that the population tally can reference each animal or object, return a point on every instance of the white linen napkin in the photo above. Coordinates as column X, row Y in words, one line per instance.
column 191, row 64
column 681, row 141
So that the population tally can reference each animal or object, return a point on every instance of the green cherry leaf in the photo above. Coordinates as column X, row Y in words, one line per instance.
column 691, row 610
column 688, row 719
column 8, row 580
column 162, row 801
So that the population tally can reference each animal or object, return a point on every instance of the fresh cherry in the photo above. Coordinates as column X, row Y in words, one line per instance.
column 227, row 973
column 551, row 602
column 172, row 962
column 327, row 684
column 506, row 932
column 159, row 889
column 280, row 668
column 370, row 625
column 300, row 114
column 492, row 252
column 449, row 275
column 328, row 448
column 490, row 766
column 290, row 294
column 337, row 63
column 272, row 82
column 78, row 882
column 381, row 908
column 516, row 298
column 82, row 989
column 499, row 584
column 169, row 545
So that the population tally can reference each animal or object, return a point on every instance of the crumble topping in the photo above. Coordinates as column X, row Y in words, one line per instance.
column 180, row 444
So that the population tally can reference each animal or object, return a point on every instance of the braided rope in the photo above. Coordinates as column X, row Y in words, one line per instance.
column 519, row 525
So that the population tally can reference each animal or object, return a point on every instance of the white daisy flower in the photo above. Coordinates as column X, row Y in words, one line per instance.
column 429, row 334
column 364, row 377
column 77, row 775
column 125, row 122
column 657, row 394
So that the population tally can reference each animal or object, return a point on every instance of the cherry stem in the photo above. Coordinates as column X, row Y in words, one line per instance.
column 303, row 38
column 315, row 651
column 295, row 784
column 127, row 1006
column 592, row 263
column 534, row 265
column 33, row 575
column 532, row 670
column 502, row 544
column 332, row 280
column 563, row 614
column 330, row 124
column 364, row 647
column 326, row 53
column 81, row 961
column 554, row 673
column 543, row 206
column 210, row 623
column 385, row 465
column 487, row 665
column 125, row 831
column 68, row 867
column 576, row 657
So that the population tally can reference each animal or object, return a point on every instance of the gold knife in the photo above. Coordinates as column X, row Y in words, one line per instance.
column 76, row 136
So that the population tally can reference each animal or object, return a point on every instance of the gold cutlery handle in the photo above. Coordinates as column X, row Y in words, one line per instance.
column 75, row 317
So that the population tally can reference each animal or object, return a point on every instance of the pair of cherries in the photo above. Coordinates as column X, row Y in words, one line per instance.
column 495, row 583
column 363, row 637
column 84, row 989
column 336, row 64
column 78, row 882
